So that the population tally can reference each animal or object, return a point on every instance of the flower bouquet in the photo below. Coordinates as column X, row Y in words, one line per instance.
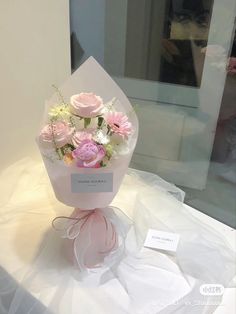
column 87, row 139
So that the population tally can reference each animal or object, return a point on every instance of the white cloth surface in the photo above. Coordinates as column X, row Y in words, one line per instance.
column 35, row 277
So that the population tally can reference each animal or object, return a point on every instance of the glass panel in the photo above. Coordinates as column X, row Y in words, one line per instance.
column 159, row 39
column 218, row 198
column 187, row 45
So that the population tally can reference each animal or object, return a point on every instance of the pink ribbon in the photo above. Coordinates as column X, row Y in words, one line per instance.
column 93, row 236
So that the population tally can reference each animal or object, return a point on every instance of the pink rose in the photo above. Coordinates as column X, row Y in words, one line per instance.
column 58, row 132
column 89, row 154
column 81, row 136
column 86, row 105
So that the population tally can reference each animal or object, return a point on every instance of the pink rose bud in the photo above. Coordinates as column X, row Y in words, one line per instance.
column 86, row 105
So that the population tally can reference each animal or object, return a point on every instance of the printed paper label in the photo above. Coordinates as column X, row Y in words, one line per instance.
column 162, row 240
column 91, row 183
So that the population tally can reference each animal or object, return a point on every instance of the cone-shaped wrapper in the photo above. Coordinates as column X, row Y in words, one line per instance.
column 87, row 138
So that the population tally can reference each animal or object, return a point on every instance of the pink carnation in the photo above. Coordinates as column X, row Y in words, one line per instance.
column 118, row 123
column 58, row 133
column 89, row 154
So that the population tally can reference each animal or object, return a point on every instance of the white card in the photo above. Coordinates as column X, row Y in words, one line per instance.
column 162, row 240
column 91, row 183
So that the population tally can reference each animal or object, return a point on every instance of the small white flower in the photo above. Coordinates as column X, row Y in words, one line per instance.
column 117, row 139
column 121, row 149
column 60, row 112
column 101, row 137
column 120, row 146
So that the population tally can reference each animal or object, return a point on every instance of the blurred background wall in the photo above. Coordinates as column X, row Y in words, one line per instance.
column 34, row 54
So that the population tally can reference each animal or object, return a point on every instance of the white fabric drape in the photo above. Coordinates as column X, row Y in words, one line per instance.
column 35, row 276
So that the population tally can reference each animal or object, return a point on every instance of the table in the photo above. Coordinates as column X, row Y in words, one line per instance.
column 27, row 209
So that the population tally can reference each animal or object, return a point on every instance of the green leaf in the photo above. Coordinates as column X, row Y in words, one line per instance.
column 87, row 121
column 100, row 121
